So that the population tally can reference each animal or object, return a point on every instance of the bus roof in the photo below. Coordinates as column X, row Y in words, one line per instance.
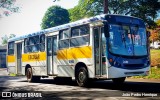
column 65, row 26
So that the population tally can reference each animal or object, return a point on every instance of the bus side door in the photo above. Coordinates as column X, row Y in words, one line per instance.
column 52, row 55
column 99, row 52
column 19, row 57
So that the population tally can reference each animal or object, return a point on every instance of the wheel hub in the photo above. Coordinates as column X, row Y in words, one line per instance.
column 82, row 76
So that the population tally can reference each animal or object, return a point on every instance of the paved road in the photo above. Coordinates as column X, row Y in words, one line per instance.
column 51, row 89
column 3, row 72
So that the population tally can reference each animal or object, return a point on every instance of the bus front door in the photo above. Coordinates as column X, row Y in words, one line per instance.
column 51, row 55
column 19, row 58
column 97, row 51
column 100, row 52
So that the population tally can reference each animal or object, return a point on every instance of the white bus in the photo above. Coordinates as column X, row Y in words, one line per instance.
column 102, row 47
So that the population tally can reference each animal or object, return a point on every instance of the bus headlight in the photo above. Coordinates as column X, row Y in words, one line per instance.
column 117, row 64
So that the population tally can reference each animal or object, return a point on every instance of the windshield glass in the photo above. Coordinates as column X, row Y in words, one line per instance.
column 127, row 40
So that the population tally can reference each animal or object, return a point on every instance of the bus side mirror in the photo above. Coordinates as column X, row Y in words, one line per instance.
column 106, row 31
column 148, row 33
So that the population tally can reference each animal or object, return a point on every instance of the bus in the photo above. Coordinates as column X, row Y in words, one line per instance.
column 101, row 47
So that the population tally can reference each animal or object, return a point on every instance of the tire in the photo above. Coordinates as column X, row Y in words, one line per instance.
column 30, row 77
column 119, row 80
column 82, row 77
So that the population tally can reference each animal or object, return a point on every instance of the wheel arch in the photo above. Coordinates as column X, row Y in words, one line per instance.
column 26, row 67
column 78, row 65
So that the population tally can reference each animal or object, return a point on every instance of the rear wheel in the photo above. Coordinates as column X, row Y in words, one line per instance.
column 30, row 77
column 119, row 80
column 82, row 77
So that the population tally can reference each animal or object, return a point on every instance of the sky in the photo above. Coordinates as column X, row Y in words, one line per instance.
column 29, row 17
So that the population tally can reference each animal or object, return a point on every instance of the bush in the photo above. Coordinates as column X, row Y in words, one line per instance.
column 155, row 58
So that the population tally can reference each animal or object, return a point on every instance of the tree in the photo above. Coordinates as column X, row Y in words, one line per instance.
column 86, row 8
column 5, row 38
column 158, row 22
column 145, row 9
column 8, row 7
column 55, row 15
column 158, row 29
column 155, row 33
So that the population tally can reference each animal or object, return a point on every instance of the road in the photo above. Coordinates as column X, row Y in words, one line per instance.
column 3, row 72
column 51, row 89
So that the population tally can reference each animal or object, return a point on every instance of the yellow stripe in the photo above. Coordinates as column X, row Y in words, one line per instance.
column 10, row 58
column 30, row 57
column 75, row 53
column 71, row 53
column 62, row 54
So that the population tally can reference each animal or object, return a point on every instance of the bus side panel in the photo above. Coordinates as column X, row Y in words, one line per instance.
column 81, row 54
column 63, row 67
column 37, row 61
column 68, row 58
column 11, row 64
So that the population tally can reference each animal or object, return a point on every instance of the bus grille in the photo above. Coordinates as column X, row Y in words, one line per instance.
column 128, row 73
column 134, row 66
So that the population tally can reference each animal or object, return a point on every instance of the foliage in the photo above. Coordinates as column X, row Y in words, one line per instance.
column 86, row 8
column 5, row 38
column 8, row 7
column 55, row 15
column 155, row 59
column 145, row 9
column 154, row 35
column 158, row 22
column 12, row 74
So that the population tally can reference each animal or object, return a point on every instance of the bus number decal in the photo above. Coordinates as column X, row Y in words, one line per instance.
column 71, row 61
column 34, row 56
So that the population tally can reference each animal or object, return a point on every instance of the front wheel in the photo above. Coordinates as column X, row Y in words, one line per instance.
column 30, row 77
column 119, row 80
column 82, row 76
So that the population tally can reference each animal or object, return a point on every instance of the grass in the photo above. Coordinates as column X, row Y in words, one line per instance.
column 12, row 74
column 155, row 57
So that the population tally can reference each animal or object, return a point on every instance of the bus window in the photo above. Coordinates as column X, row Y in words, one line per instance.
column 25, row 45
column 11, row 48
column 103, row 44
column 80, row 36
column 42, row 43
column 63, row 38
column 54, row 45
column 84, row 30
column 79, row 31
column 33, row 44
column 60, row 35
column 63, row 44
column 75, row 32
column 96, row 37
column 79, row 41
column 64, row 34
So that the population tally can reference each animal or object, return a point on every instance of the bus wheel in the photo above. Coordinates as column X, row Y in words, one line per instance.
column 82, row 76
column 119, row 80
column 30, row 77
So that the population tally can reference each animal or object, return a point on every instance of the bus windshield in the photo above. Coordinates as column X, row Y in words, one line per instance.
column 127, row 40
